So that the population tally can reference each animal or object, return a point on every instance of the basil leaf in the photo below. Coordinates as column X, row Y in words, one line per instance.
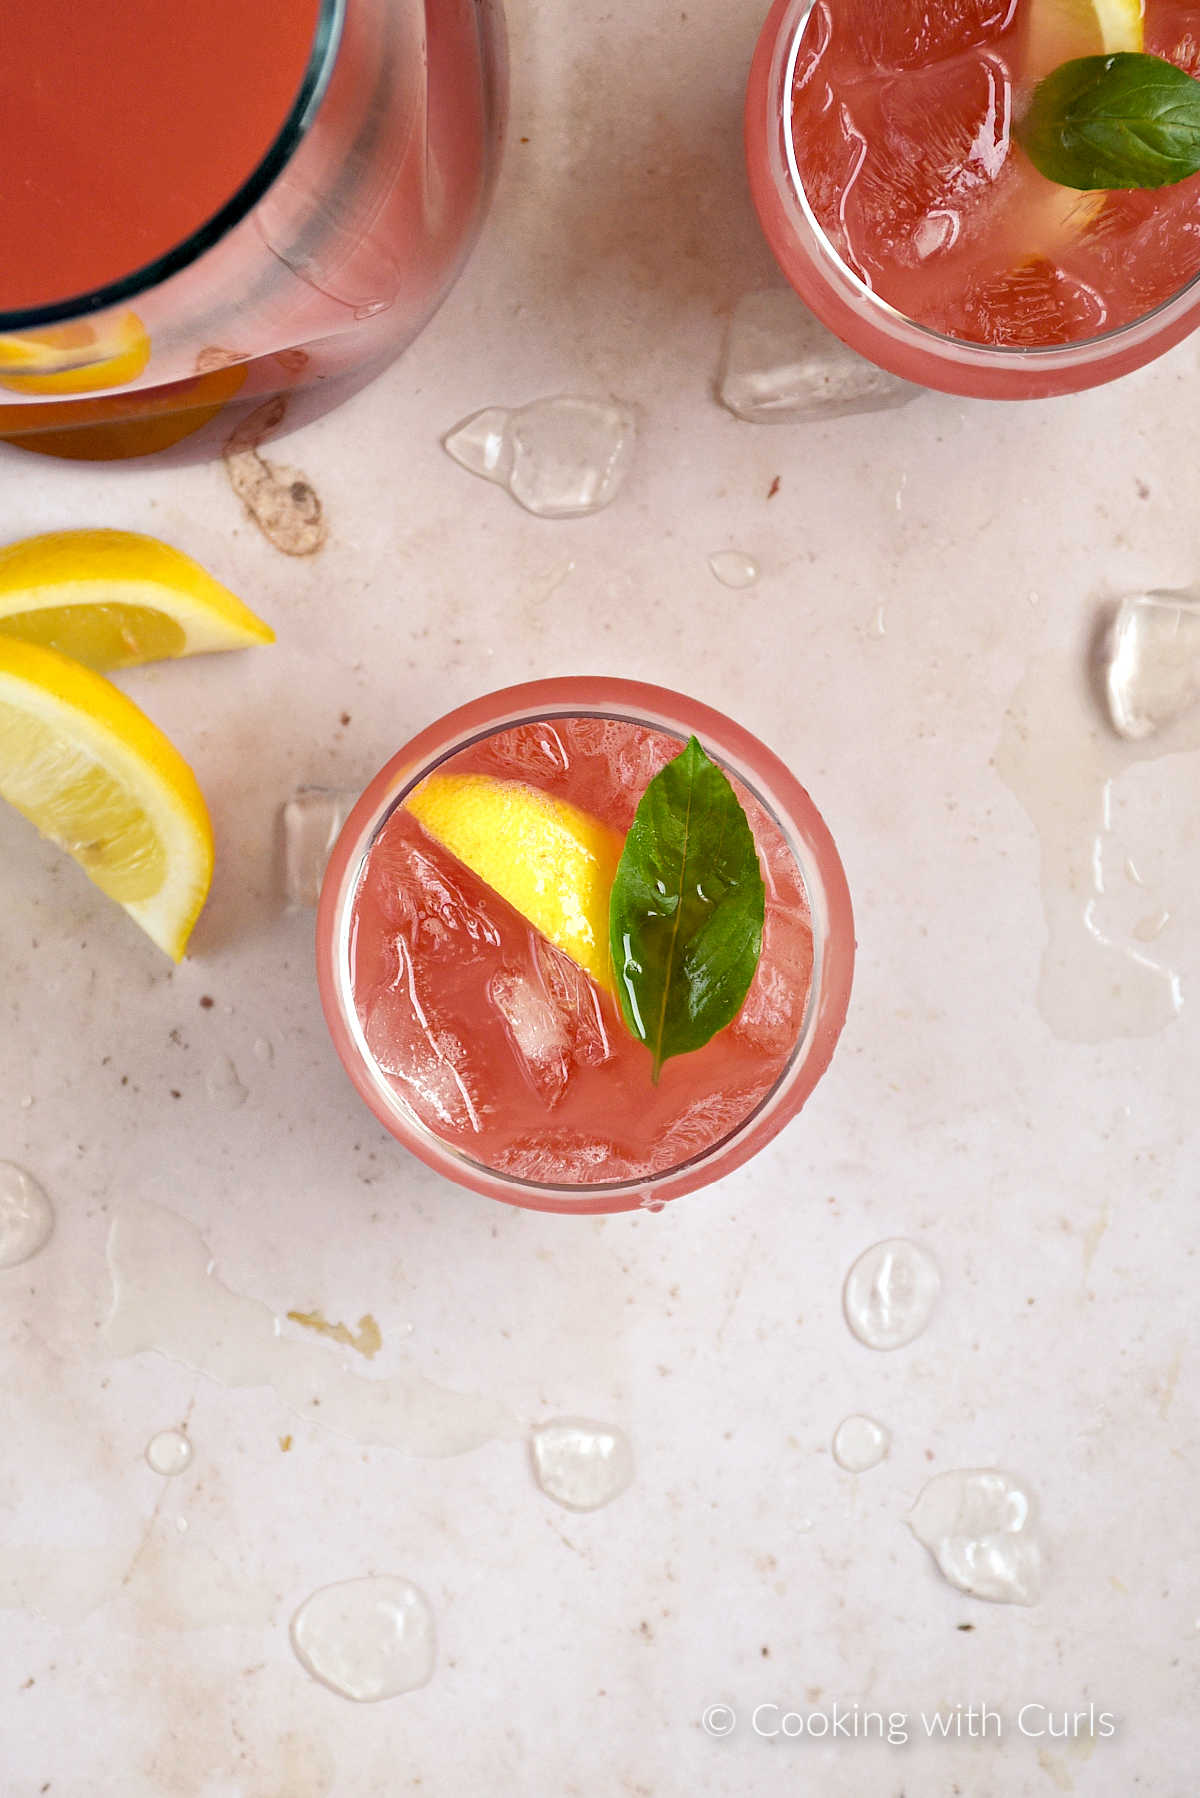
column 686, row 915
column 1124, row 120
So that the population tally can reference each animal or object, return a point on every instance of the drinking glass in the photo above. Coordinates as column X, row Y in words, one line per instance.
column 805, row 840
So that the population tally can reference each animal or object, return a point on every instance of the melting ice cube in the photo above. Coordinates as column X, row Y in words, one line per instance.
column 1152, row 661
column 581, row 1464
column 980, row 1527
column 312, row 822
column 781, row 364
column 859, row 1443
column 366, row 1639
column 890, row 1293
column 559, row 458
column 26, row 1215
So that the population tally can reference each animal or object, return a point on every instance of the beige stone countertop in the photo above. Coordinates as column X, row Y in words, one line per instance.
column 1015, row 1089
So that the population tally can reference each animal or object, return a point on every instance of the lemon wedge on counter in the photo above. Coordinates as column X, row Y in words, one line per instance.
column 97, row 777
column 552, row 862
column 113, row 598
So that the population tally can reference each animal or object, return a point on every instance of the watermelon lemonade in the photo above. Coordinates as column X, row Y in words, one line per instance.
column 464, row 965
column 885, row 166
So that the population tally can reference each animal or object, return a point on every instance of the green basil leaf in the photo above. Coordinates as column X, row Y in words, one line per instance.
column 1124, row 120
column 686, row 916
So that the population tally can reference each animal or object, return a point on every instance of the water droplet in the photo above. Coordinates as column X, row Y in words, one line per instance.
column 26, row 1215
column 890, row 1293
column 372, row 309
column 980, row 1526
column 312, row 822
column 650, row 1203
column 781, row 365
column 167, row 1298
column 581, row 1464
column 559, row 458
column 733, row 568
column 169, row 1452
column 366, row 1639
column 1152, row 656
column 264, row 1051
column 224, row 1086
column 860, row 1443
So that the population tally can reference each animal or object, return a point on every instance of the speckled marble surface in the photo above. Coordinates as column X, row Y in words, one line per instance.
column 917, row 568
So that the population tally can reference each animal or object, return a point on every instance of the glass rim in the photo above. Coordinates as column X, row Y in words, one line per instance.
column 314, row 82
column 1016, row 354
column 649, row 706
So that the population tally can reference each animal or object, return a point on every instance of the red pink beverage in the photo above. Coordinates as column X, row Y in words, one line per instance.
column 494, row 1054
column 890, row 182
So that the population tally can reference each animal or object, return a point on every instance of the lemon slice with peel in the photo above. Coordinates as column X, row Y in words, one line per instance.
column 1058, row 31
column 97, row 777
column 552, row 862
column 113, row 598
column 79, row 357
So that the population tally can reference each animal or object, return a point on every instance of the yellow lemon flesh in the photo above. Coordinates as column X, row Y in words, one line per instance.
column 79, row 357
column 113, row 598
column 552, row 862
column 1058, row 31
column 1061, row 30
column 97, row 777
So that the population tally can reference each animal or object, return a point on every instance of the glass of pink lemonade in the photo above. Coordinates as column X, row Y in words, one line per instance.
column 500, row 1057
column 885, row 170
column 213, row 204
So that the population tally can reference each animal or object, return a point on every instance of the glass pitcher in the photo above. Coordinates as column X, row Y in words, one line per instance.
column 327, row 261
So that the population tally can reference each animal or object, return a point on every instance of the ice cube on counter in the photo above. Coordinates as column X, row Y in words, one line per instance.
column 1151, row 662
column 559, row 458
column 781, row 365
column 312, row 822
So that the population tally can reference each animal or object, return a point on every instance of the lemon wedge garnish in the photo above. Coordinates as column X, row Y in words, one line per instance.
column 97, row 777
column 552, row 862
column 1058, row 31
column 79, row 357
column 1061, row 30
column 113, row 598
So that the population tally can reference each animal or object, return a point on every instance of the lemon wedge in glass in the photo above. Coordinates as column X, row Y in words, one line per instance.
column 78, row 357
column 113, row 598
column 1058, row 31
column 97, row 777
column 552, row 862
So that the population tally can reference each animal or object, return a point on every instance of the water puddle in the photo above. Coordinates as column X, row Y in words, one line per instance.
column 168, row 1299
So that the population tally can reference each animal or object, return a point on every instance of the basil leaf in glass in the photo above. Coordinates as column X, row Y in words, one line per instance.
column 1125, row 120
column 686, row 915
